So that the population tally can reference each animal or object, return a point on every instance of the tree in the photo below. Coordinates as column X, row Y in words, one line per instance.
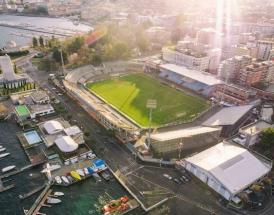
column 267, row 138
column 34, row 42
column 176, row 35
column 15, row 68
column 120, row 50
column 57, row 56
column 97, row 60
column 41, row 41
column 142, row 42
column 75, row 45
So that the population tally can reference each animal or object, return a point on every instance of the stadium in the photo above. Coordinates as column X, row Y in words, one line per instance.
column 117, row 98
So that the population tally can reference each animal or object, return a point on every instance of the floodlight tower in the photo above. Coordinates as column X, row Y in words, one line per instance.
column 151, row 104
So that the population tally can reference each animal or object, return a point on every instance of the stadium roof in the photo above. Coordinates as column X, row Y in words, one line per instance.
column 196, row 75
column 233, row 166
column 187, row 132
column 66, row 144
column 228, row 116
column 53, row 127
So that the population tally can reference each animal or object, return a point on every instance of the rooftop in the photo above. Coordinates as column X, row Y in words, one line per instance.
column 66, row 144
column 256, row 127
column 202, row 77
column 226, row 162
column 187, row 132
column 228, row 116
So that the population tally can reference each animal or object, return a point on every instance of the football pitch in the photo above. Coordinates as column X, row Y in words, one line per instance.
column 129, row 95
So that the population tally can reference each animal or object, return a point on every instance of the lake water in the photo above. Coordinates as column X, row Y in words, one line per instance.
column 52, row 26
column 86, row 197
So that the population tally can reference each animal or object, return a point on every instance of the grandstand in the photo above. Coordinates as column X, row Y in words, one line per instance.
column 200, row 82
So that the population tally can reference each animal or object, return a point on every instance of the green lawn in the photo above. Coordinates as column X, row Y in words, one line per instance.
column 130, row 93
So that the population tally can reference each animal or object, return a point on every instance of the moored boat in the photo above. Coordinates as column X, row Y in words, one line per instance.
column 4, row 155
column 80, row 172
column 114, row 206
column 75, row 175
column 8, row 168
column 58, row 194
column 2, row 149
column 65, row 179
column 86, row 171
column 58, row 179
column 51, row 200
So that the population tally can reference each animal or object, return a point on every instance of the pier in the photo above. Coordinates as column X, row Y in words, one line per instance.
column 5, row 188
column 40, row 201
column 19, row 170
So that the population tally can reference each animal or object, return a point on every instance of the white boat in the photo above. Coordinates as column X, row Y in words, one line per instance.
column 1, row 146
column 58, row 194
column 58, row 179
column 65, row 179
column 51, row 200
column 4, row 155
column 86, row 171
column 8, row 168
column 2, row 149
column 80, row 172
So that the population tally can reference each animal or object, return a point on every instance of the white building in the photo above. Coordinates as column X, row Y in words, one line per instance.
column 186, row 57
column 8, row 78
column 40, row 97
column 230, row 68
column 40, row 110
column 227, row 168
column 252, row 131
column 264, row 49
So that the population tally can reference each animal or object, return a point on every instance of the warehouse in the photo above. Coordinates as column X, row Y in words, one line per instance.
column 227, row 168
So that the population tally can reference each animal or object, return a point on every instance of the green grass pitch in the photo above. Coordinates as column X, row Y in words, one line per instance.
column 130, row 93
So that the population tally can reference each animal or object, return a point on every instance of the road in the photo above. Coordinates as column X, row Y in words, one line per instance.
column 190, row 198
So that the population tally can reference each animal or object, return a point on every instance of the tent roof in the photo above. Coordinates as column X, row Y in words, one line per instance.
column 53, row 127
column 66, row 144
column 233, row 166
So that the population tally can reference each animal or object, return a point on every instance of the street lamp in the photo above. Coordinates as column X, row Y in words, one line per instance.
column 180, row 147
column 151, row 104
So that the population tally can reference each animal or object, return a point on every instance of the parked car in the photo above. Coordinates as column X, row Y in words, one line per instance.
column 167, row 176
column 177, row 181
column 184, row 178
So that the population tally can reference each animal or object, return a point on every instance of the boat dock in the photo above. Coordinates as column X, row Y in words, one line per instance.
column 32, row 192
column 5, row 188
column 19, row 170
column 40, row 201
